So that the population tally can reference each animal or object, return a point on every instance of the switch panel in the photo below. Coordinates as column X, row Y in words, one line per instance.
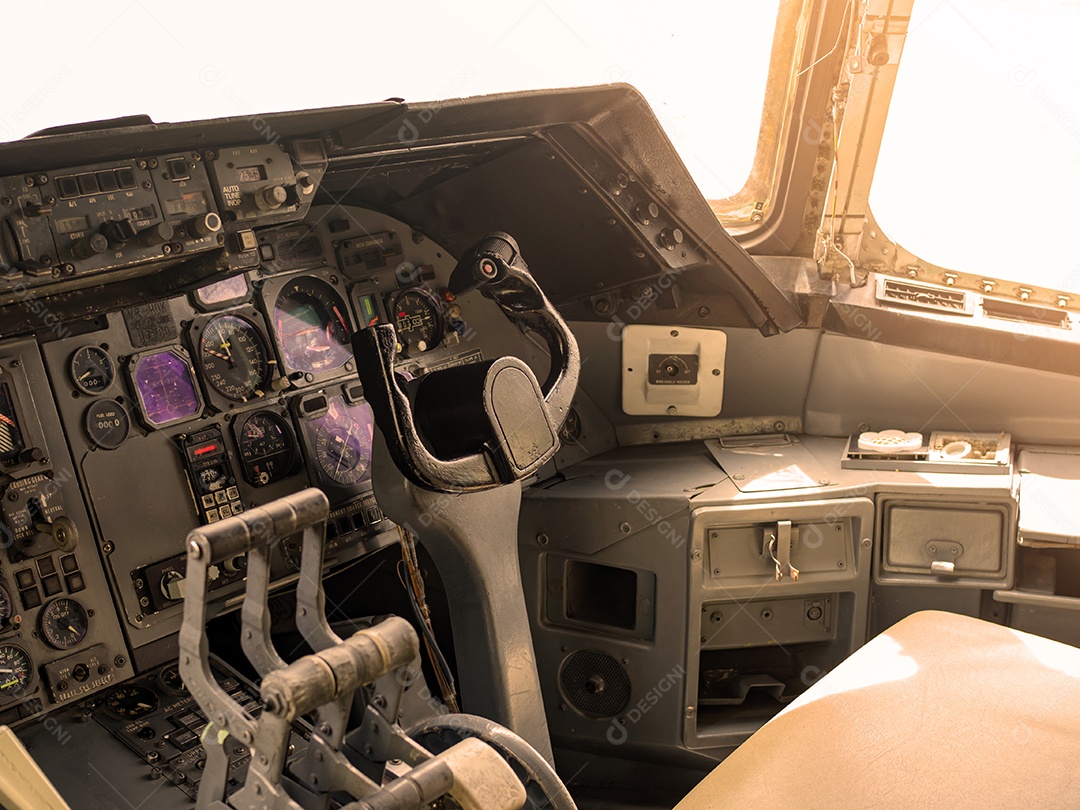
column 672, row 371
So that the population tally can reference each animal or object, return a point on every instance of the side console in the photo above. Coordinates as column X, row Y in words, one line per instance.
column 59, row 636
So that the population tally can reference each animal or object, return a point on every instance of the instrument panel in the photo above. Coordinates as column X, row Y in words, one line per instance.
column 172, row 413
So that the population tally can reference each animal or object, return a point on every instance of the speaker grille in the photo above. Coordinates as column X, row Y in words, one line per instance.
column 595, row 683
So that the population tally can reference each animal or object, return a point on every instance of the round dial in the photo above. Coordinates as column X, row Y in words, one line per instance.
column 107, row 424
column 170, row 681
column 6, row 608
column 343, row 441
column 312, row 326
column 234, row 358
column 418, row 320
column 63, row 623
column 130, row 702
column 92, row 370
column 16, row 671
column 267, row 448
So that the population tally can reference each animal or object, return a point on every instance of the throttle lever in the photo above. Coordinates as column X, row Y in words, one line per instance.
column 485, row 424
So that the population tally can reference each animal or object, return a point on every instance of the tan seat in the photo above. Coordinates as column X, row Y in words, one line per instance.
column 938, row 711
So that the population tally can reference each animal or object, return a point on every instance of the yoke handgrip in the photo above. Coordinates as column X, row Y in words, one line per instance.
column 486, row 424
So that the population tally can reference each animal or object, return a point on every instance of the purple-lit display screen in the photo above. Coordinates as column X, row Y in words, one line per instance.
column 342, row 439
column 166, row 388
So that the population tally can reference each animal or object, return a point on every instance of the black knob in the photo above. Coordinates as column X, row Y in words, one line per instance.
column 671, row 237
column 156, row 234
column 205, row 225
column 90, row 246
column 31, row 454
column 119, row 231
column 645, row 213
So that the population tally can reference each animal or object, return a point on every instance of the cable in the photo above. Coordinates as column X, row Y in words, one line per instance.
column 414, row 587
column 832, row 50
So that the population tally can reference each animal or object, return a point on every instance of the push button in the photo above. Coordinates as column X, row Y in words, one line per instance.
column 75, row 583
column 24, row 578
column 87, row 183
column 51, row 585
column 67, row 187
column 46, row 566
column 178, row 169
column 107, row 181
column 30, row 598
column 68, row 563
column 126, row 178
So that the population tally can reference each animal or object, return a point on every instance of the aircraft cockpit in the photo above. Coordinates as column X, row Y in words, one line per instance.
column 626, row 442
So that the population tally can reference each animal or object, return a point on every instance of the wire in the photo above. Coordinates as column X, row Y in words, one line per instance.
column 414, row 587
column 832, row 50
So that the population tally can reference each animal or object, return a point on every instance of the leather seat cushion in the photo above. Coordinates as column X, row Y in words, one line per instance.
column 938, row 711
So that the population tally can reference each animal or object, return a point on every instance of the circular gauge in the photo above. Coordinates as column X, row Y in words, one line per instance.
column 170, row 681
column 7, row 610
column 418, row 320
column 267, row 448
column 107, row 424
column 234, row 357
column 130, row 702
column 312, row 326
column 63, row 623
column 92, row 370
column 343, row 441
column 16, row 671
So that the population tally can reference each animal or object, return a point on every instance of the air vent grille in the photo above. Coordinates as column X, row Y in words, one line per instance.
column 925, row 296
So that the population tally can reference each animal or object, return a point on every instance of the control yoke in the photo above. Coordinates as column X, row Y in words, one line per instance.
column 485, row 424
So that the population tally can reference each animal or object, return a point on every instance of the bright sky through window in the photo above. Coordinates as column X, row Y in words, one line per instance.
column 980, row 164
column 702, row 66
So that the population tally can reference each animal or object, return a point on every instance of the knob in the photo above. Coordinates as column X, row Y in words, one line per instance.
column 235, row 564
column 617, row 183
column 645, row 213
column 305, row 183
column 119, row 231
column 205, row 225
column 878, row 53
column 62, row 530
column 172, row 585
column 156, row 234
column 90, row 246
column 31, row 454
column 270, row 197
column 671, row 237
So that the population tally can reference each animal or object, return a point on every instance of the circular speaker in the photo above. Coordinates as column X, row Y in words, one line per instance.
column 595, row 683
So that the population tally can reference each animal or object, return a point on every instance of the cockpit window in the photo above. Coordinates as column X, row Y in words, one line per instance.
column 701, row 66
column 980, row 161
